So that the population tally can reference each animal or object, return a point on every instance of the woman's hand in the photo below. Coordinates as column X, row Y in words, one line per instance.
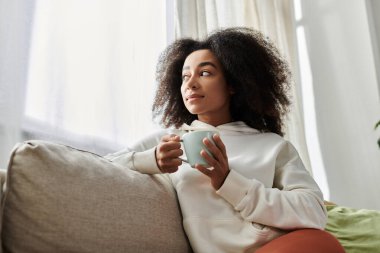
column 168, row 152
column 219, row 163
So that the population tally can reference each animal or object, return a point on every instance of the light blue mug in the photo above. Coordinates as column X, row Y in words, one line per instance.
column 193, row 144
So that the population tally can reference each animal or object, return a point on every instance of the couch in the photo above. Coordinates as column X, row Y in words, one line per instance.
column 55, row 198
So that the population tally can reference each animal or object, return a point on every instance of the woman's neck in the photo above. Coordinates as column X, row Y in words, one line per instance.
column 215, row 121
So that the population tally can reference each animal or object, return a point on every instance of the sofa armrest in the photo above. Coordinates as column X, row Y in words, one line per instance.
column 61, row 199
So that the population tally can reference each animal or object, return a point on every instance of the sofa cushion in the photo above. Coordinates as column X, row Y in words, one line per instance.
column 61, row 199
column 358, row 230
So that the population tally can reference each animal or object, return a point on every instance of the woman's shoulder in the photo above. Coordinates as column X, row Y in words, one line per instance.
column 281, row 141
column 149, row 140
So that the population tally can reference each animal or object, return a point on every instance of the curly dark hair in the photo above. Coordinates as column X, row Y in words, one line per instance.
column 253, row 67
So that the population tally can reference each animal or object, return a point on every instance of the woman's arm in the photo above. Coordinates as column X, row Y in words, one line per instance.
column 295, row 201
column 141, row 155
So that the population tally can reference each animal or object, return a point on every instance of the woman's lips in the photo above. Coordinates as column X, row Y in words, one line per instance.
column 193, row 97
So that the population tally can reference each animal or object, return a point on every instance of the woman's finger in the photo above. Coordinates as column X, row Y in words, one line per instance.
column 171, row 162
column 167, row 146
column 169, row 165
column 209, row 159
column 217, row 153
column 174, row 153
column 170, row 137
column 204, row 170
column 219, row 143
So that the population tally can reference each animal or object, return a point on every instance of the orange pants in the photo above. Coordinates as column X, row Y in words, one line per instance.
column 303, row 241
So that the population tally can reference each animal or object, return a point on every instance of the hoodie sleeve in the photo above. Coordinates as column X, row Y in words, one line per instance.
column 294, row 201
column 140, row 156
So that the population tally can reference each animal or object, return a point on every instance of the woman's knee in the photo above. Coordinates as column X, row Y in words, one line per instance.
column 303, row 240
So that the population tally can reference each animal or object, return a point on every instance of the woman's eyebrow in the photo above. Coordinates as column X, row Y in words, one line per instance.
column 202, row 64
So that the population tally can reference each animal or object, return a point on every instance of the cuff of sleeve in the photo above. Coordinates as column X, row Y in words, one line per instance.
column 145, row 162
column 234, row 188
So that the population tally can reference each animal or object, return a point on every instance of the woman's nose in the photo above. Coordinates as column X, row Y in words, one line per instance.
column 192, row 83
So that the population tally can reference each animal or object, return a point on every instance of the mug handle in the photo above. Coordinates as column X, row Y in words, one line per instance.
column 183, row 160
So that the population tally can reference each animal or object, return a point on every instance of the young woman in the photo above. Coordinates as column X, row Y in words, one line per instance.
column 256, row 187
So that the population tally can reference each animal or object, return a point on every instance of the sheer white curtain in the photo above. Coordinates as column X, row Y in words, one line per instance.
column 88, row 71
column 272, row 17
column 15, row 28
column 341, row 95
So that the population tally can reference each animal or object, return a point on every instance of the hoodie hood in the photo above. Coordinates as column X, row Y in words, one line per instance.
column 231, row 128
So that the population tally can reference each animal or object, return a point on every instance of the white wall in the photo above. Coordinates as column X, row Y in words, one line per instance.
column 342, row 62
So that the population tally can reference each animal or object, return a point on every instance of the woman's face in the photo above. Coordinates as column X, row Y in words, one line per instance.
column 204, row 89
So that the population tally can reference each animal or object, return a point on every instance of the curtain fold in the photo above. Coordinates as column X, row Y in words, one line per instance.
column 274, row 18
column 15, row 31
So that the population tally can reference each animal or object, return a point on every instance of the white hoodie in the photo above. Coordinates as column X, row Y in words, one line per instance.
column 267, row 191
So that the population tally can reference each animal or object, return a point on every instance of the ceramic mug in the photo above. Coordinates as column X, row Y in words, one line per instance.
column 193, row 145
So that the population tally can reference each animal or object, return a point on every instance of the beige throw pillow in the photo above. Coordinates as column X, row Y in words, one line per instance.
column 61, row 199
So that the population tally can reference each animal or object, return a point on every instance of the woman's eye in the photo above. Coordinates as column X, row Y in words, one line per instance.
column 185, row 78
column 205, row 73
